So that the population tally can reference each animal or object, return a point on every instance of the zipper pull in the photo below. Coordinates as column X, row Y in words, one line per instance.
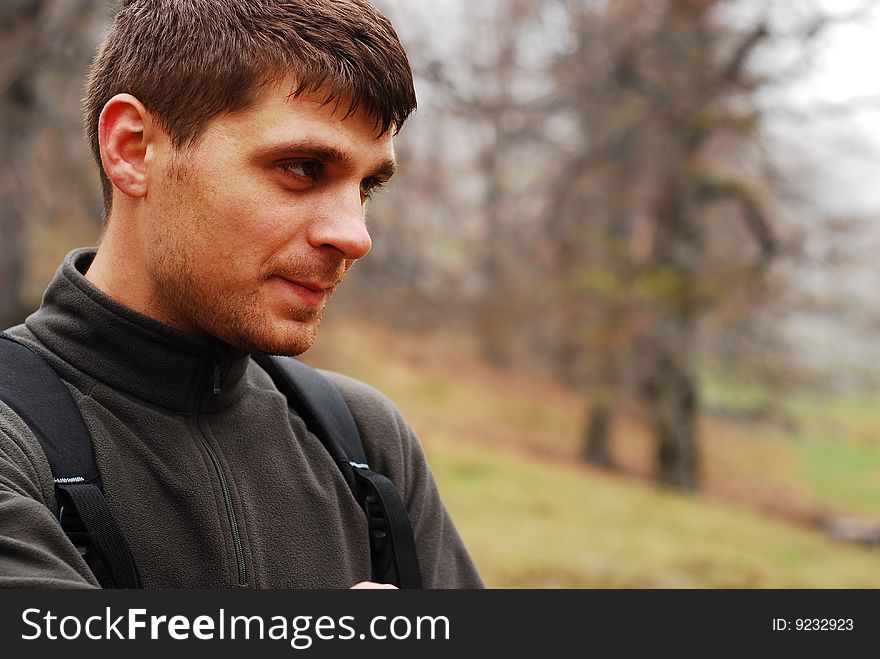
column 217, row 375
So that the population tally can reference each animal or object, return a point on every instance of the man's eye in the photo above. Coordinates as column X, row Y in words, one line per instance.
column 305, row 168
column 369, row 186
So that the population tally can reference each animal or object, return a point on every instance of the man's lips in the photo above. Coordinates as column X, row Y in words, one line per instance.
column 312, row 293
column 318, row 287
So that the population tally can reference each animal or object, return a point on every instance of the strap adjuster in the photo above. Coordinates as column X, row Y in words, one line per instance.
column 376, row 522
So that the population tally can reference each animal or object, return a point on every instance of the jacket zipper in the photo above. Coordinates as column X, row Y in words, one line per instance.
column 224, row 486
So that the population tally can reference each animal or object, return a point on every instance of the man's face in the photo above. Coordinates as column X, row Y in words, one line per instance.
column 256, row 225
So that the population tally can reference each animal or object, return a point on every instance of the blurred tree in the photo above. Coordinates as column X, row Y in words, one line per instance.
column 47, row 177
column 666, row 107
column 507, row 116
column 17, row 106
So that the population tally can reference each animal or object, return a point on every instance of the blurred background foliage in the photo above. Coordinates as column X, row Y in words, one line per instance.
column 623, row 285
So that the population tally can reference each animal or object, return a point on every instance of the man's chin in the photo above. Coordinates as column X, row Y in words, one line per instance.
column 289, row 338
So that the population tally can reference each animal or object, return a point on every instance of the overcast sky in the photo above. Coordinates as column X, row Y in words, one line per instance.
column 844, row 153
column 844, row 75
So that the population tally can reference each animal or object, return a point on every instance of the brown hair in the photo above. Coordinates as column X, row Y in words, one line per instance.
column 188, row 61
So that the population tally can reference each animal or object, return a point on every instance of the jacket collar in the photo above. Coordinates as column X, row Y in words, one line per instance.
column 130, row 352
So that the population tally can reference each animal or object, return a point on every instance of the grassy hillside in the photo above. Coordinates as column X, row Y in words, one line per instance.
column 504, row 447
column 530, row 524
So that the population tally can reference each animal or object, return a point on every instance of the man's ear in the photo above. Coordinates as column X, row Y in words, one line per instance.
column 125, row 131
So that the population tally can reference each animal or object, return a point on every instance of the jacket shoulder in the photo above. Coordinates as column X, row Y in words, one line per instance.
column 388, row 440
column 365, row 401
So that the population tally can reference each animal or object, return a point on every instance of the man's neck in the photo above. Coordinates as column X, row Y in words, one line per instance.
column 120, row 271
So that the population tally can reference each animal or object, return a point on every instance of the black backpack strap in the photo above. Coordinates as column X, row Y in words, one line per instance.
column 37, row 395
column 326, row 414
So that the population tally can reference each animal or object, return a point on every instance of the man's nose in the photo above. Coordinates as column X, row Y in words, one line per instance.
column 342, row 226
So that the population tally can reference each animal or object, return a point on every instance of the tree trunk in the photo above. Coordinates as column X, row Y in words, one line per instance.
column 491, row 313
column 12, row 254
column 671, row 397
column 597, row 433
column 597, row 436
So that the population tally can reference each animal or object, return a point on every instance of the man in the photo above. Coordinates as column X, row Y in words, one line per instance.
column 238, row 142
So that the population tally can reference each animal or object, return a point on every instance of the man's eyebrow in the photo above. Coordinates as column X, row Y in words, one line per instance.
column 385, row 169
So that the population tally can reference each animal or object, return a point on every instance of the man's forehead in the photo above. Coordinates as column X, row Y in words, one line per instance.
column 279, row 121
column 322, row 105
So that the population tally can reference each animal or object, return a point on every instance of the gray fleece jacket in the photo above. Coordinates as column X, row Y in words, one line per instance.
column 225, row 490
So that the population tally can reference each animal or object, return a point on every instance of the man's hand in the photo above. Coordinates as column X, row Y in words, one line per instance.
column 373, row 585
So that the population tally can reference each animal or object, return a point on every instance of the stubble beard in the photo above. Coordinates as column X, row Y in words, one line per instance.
column 240, row 318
